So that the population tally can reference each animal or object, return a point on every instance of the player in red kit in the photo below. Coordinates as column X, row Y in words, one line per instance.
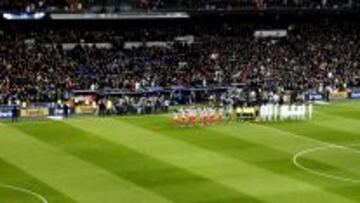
column 204, row 117
column 176, row 119
column 199, row 116
column 211, row 116
column 220, row 116
column 192, row 117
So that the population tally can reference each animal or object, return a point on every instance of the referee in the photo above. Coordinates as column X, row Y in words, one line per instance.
column 14, row 112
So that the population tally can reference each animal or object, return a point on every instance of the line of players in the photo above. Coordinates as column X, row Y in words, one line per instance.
column 209, row 116
column 274, row 112
column 202, row 116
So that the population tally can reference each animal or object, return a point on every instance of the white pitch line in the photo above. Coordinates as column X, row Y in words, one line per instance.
column 26, row 191
column 326, row 175
column 23, row 190
column 327, row 144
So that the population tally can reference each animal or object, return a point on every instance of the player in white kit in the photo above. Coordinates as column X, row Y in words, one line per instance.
column 270, row 112
column 263, row 112
column 276, row 111
column 293, row 112
column 285, row 112
column 310, row 111
column 302, row 112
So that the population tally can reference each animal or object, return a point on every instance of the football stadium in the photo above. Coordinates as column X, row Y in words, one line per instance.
column 179, row 101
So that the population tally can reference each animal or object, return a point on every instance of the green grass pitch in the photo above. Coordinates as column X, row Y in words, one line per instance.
column 146, row 160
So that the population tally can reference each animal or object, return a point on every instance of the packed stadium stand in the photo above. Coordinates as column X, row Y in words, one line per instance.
column 179, row 101
column 162, row 53
column 113, row 5
column 42, row 66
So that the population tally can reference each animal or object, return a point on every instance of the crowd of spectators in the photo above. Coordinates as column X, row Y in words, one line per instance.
column 35, row 67
column 115, row 5
column 141, row 105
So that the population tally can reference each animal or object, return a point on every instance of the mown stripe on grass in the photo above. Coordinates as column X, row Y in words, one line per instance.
column 346, row 189
column 345, row 110
column 293, row 143
column 237, row 174
column 274, row 139
column 157, row 176
column 338, row 123
column 318, row 132
column 262, row 147
column 249, row 139
column 81, row 181
column 11, row 175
